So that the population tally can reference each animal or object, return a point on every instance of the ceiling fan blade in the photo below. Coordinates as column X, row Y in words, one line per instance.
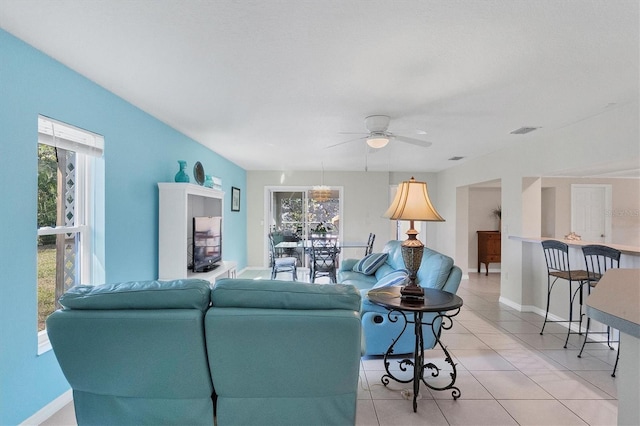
column 345, row 142
column 412, row 141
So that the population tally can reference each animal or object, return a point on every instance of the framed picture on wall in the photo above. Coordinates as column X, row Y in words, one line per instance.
column 235, row 199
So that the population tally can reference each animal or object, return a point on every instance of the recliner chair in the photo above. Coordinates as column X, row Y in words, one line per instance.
column 134, row 353
column 284, row 353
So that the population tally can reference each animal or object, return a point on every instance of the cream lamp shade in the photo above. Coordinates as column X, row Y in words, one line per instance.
column 412, row 203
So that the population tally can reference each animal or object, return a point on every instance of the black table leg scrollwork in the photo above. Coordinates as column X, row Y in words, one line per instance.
column 442, row 321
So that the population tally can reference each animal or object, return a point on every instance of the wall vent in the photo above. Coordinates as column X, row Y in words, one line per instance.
column 524, row 130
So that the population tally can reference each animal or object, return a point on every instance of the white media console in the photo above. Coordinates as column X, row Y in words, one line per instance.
column 178, row 204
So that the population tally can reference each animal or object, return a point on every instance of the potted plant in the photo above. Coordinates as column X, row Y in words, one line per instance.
column 497, row 212
column 321, row 229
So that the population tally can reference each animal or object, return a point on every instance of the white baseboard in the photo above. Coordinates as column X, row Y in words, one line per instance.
column 536, row 310
column 510, row 304
column 483, row 271
column 527, row 308
column 49, row 410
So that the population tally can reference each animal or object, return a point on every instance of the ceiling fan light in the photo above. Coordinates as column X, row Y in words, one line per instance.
column 377, row 141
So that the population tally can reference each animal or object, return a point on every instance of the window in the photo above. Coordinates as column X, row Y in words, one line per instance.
column 299, row 212
column 70, row 211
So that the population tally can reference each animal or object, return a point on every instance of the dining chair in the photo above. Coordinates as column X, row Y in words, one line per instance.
column 296, row 252
column 599, row 259
column 324, row 258
column 556, row 255
column 277, row 237
column 369, row 249
column 281, row 264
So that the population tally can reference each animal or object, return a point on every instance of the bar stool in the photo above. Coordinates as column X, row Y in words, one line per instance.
column 599, row 259
column 556, row 254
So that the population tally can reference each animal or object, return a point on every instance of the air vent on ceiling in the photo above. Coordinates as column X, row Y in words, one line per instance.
column 524, row 130
column 455, row 158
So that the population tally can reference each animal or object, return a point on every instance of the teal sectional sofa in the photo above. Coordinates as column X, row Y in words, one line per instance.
column 436, row 271
column 254, row 352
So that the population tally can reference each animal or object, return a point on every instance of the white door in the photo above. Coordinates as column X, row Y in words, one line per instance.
column 589, row 204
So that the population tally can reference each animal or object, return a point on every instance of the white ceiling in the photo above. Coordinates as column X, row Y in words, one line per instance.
column 270, row 84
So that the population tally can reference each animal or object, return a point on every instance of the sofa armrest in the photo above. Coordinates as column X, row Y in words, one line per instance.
column 347, row 264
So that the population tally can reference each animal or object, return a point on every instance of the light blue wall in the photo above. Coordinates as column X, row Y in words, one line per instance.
column 139, row 152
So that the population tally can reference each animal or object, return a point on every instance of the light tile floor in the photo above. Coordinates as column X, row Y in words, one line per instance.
column 507, row 373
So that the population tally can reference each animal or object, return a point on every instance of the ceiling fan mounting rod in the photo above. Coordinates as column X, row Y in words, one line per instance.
column 377, row 123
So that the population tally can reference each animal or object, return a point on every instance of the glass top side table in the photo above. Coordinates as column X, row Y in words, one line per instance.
column 445, row 305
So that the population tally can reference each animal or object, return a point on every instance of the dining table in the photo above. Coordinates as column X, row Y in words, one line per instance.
column 306, row 245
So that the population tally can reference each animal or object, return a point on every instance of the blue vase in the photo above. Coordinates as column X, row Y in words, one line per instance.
column 182, row 176
column 208, row 182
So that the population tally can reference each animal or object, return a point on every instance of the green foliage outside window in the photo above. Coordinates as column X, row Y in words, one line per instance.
column 47, row 190
column 47, row 216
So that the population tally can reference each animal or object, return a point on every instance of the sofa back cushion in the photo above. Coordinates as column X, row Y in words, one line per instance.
column 273, row 294
column 394, row 251
column 434, row 269
column 176, row 294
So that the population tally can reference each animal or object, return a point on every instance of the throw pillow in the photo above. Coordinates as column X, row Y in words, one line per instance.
column 370, row 263
column 394, row 278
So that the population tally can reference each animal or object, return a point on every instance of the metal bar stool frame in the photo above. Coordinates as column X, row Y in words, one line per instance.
column 598, row 259
column 556, row 255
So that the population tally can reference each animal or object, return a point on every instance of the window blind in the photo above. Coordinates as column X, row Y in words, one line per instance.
column 65, row 136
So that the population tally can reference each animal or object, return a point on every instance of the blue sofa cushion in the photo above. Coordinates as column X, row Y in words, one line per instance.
column 394, row 278
column 272, row 294
column 434, row 269
column 176, row 294
column 382, row 271
column 394, row 249
column 370, row 263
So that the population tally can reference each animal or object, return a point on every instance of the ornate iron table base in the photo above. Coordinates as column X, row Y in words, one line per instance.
column 442, row 320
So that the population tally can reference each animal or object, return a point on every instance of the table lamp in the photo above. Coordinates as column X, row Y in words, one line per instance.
column 412, row 203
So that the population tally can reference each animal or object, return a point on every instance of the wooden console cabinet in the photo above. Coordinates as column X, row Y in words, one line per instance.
column 488, row 248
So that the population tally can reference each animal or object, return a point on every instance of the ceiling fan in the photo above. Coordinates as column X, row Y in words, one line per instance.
column 379, row 137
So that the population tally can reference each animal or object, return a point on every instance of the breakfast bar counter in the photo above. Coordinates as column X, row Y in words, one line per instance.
column 625, row 249
column 630, row 255
column 615, row 301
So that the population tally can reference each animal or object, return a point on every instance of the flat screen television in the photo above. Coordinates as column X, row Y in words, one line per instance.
column 207, row 243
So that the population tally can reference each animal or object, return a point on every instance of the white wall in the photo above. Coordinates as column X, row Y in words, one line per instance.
column 365, row 196
column 625, row 207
